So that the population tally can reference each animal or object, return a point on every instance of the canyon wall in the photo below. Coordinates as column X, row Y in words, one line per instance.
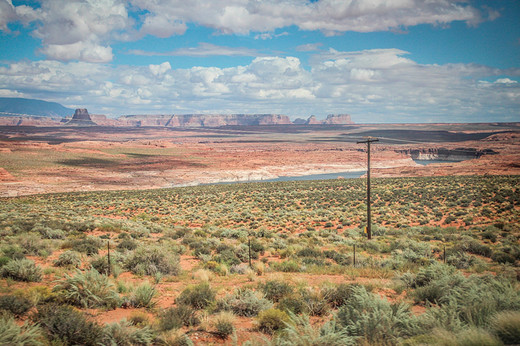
column 446, row 154
column 83, row 118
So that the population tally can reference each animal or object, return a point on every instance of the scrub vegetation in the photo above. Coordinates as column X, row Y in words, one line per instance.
column 284, row 263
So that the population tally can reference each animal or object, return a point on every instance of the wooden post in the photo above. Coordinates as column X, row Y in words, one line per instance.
column 250, row 265
column 108, row 258
column 354, row 255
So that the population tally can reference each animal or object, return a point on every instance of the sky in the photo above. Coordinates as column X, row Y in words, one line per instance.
column 394, row 61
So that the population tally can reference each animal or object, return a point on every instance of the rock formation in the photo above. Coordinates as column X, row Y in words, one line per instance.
column 313, row 121
column 81, row 118
column 446, row 154
column 338, row 119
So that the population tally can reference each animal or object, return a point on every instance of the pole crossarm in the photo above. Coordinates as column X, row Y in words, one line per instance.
column 369, row 221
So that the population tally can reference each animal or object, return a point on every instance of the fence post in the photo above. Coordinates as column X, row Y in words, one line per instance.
column 108, row 258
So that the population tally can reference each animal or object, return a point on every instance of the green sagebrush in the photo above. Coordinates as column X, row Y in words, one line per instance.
column 87, row 289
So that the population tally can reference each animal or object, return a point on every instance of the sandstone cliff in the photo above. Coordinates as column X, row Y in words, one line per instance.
column 446, row 154
column 81, row 118
column 338, row 119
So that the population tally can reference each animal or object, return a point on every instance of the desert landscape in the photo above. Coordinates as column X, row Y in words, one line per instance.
column 38, row 159
column 259, row 173
column 127, row 235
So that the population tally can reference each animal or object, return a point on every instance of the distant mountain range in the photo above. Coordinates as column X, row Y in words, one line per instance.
column 10, row 106
column 30, row 112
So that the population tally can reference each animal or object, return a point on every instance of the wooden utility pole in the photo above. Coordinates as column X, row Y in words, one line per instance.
column 369, row 221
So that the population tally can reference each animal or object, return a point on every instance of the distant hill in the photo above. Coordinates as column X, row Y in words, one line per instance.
column 20, row 106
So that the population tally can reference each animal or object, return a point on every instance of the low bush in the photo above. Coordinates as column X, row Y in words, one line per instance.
column 315, row 303
column 126, row 244
column 300, row 332
column 275, row 290
column 88, row 245
column 13, row 334
column 506, row 325
column 223, row 324
column 152, row 260
column 337, row 295
column 244, row 302
column 68, row 259
column 177, row 317
column 376, row 320
column 68, row 326
column 87, row 289
column 143, row 295
column 22, row 270
column 289, row 266
column 292, row 304
column 16, row 305
column 272, row 320
column 199, row 296
column 124, row 333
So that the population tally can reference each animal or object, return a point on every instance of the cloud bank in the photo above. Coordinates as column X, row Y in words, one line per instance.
column 79, row 30
column 381, row 84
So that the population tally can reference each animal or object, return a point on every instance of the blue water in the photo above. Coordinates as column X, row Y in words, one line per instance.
column 325, row 176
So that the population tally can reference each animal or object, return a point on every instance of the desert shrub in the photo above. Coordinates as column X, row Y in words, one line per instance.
column 4, row 260
column 16, row 305
column 124, row 333
column 100, row 263
column 174, row 337
column 88, row 245
column 69, row 326
column 460, row 260
column 49, row 233
column 13, row 251
column 292, row 304
column 289, row 266
column 87, row 289
column 22, row 270
column 31, row 244
column 143, row 295
column 431, row 273
column 139, row 318
column 300, row 332
column 375, row 319
column 152, row 260
column 68, row 259
column 244, row 302
column 474, row 246
column 411, row 250
column 309, row 252
column 474, row 300
column 506, row 325
column 199, row 296
column 13, row 334
column 126, row 244
column 176, row 317
column 315, row 303
column 223, row 323
column 337, row 295
column 465, row 337
column 272, row 320
column 275, row 290
column 502, row 257
column 337, row 257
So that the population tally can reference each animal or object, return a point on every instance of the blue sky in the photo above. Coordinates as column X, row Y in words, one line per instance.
column 380, row 61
